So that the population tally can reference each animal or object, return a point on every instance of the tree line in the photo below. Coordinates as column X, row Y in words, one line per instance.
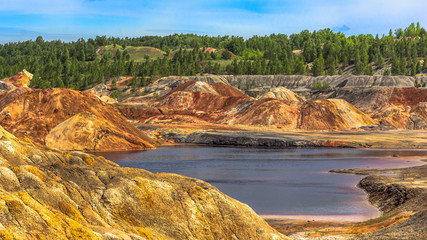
column 81, row 64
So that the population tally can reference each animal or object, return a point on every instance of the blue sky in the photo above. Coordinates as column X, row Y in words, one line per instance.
column 71, row 19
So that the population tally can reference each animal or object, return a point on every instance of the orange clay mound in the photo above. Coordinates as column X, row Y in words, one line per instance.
column 329, row 114
column 268, row 112
column 35, row 113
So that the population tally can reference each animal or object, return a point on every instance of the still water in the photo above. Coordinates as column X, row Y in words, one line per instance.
column 277, row 182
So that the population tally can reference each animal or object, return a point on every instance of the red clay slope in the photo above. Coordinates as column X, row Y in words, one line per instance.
column 35, row 113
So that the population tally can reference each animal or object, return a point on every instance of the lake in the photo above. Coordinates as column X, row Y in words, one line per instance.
column 278, row 183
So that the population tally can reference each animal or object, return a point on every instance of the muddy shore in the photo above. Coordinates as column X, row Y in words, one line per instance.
column 399, row 193
column 306, row 139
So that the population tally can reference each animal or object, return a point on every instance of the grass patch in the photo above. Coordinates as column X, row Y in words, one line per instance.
column 137, row 54
column 381, row 218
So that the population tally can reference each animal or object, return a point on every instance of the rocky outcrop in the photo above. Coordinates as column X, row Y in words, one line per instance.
column 398, row 107
column 87, row 132
column 321, row 139
column 22, row 79
column 58, row 195
column 35, row 113
column 404, row 190
column 400, row 97
column 247, row 139
column 327, row 114
column 292, row 82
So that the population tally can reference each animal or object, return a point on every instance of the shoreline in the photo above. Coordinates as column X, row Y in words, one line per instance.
column 394, row 221
column 405, row 139
column 354, row 218
column 354, row 221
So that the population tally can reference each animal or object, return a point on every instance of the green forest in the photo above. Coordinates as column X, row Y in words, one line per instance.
column 83, row 63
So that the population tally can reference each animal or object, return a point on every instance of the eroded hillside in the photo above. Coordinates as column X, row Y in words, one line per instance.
column 36, row 114
column 48, row 194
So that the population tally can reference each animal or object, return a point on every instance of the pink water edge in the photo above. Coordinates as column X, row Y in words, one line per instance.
column 406, row 162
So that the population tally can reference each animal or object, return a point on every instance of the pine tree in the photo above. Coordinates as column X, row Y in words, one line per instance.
column 359, row 65
column 395, row 66
column 402, row 67
column 369, row 70
column 379, row 61
column 418, row 68
column 317, row 68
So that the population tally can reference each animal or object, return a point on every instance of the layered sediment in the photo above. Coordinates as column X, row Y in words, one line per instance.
column 48, row 194
column 403, row 190
column 35, row 113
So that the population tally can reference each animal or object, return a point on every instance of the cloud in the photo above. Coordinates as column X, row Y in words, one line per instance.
column 343, row 28
column 220, row 17
column 20, row 7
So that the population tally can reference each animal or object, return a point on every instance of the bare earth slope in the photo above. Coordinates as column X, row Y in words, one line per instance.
column 35, row 113
column 329, row 114
column 85, row 131
column 405, row 190
column 54, row 195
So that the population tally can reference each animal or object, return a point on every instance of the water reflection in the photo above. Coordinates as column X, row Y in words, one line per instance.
column 276, row 181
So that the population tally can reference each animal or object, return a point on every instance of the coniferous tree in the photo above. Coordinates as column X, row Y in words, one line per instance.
column 317, row 68
column 395, row 66
column 418, row 68
column 402, row 67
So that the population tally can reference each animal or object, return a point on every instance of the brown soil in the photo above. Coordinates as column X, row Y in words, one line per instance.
column 329, row 114
column 34, row 113
column 408, row 96
column 269, row 112
column 310, row 229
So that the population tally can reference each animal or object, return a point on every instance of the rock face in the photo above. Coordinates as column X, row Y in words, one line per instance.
column 223, row 104
column 400, row 97
column 58, row 195
column 399, row 107
column 85, row 131
column 35, row 113
column 293, row 82
column 384, row 105
column 326, row 114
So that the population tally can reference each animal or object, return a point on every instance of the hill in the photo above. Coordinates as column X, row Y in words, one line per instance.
column 137, row 54
column 74, row 195
column 35, row 114
column 83, row 63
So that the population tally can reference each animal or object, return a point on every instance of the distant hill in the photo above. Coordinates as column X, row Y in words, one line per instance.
column 137, row 54
column 84, row 63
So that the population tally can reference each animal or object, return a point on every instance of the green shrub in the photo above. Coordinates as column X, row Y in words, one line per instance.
column 116, row 94
column 317, row 85
column 386, row 72
column 418, row 85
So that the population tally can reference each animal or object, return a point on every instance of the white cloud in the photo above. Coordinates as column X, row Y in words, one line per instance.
column 41, row 6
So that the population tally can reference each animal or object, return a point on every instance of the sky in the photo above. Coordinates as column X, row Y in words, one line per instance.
column 69, row 20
